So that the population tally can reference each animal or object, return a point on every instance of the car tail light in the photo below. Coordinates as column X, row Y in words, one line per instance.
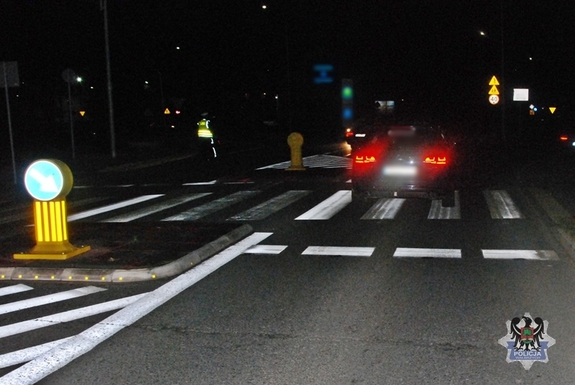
column 564, row 138
column 364, row 158
column 349, row 133
column 435, row 159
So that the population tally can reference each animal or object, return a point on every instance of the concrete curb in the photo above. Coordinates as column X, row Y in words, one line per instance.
column 127, row 275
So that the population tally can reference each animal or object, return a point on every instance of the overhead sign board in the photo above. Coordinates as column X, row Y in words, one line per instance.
column 9, row 74
column 521, row 94
column 47, row 179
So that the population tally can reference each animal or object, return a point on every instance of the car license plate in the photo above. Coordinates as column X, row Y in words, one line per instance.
column 400, row 170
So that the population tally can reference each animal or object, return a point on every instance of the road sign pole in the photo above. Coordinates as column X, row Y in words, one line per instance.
column 71, row 120
column 9, row 122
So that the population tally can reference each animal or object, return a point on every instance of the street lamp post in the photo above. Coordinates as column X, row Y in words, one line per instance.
column 104, row 7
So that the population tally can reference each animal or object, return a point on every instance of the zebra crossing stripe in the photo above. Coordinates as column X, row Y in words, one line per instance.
column 540, row 255
column 24, row 355
column 211, row 207
column 329, row 207
column 439, row 212
column 14, row 289
column 200, row 183
column 271, row 206
column 266, row 249
column 403, row 252
column 339, row 251
column 112, row 207
column 145, row 211
column 67, row 316
column 384, row 209
column 501, row 206
column 47, row 299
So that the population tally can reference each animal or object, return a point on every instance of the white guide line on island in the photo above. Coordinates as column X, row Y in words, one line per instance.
column 63, row 353
column 315, row 161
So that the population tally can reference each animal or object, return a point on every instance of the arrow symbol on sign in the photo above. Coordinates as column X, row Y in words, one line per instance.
column 47, row 183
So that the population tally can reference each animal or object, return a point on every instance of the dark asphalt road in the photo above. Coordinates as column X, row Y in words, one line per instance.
column 292, row 318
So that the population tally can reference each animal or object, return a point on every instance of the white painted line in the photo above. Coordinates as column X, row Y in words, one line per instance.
column 329, row 207
column 145, row 211
column 271, row 206
column 24, row 355
column 241, row 182
column 82, row 343
column 339, row 251
column 384, row 209
column 200, row 183
column 266, row 249
column 501, row 206
column 14, row 289
column 404, row 252
column 438, row 212
column 115, row 206
column 67, row 316
column 47, row 299
column 211, row 207
column 541, row 255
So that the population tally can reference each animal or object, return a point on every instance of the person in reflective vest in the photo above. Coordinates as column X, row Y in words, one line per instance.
column 204, row 130
column 207, row 145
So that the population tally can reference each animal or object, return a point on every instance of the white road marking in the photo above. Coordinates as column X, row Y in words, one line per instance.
column 520, row 254
column 501, row 206
column 403, row 252
column 115, row 206
column 67, row 316
column 27, row 212
column 439, row 212
column 315, row 161
column 266, row 249
column 211, row 207
column 200, row 183
column 384, row 209
column 24, row 355
column 156, row 208
column 271, row 206
column 82, row 343
column 329, row 207
column 47, row 299
column 339, row 251
column 14, row 289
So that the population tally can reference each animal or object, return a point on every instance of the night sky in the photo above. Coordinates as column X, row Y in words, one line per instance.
column 430, row 51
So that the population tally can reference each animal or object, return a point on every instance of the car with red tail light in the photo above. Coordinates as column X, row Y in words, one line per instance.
column 403, row 161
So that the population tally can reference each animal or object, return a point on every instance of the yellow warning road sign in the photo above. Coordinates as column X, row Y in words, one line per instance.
column 82, row 113
column 552, row 109
column 167, row 111
column 494, row 81
column 494, row 90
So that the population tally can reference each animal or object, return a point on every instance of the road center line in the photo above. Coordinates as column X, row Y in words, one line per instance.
column 339, row 251
column 403, row 252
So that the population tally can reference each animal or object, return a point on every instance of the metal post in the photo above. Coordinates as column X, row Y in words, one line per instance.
column 10, row 123
column 71, row 120
column 104, row 7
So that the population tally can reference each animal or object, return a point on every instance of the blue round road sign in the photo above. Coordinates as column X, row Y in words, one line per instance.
column 46, row 180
